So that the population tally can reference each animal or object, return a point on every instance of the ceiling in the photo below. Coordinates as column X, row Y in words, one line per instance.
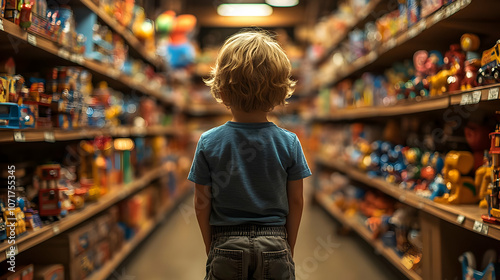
column 305, row 13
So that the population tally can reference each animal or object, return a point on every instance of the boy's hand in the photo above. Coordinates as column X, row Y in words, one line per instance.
column 202, row 205
column 296, row 204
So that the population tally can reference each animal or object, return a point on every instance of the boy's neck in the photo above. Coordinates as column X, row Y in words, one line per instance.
column 249, row 117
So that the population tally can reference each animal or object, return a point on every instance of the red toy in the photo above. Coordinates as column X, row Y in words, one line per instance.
column 455, row 57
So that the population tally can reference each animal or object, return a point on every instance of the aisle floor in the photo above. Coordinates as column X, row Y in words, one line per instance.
column 175, row 251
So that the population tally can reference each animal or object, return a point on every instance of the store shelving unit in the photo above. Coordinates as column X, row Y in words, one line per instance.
column 328, row 204
column 359, row 20
column 488, row 93
column 56, row 135
column 466, row 216
column 445, row 25
column 118, row 194
column 43, row 46
column 447, row 230
column 125, row 33
column 110, row 266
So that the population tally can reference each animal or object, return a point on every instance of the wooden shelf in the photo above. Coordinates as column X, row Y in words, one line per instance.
column 328, row 204
column 360, row 19
column 466, row 216
column 437, row 27
column 469, row 97
column 33, row 238
column 125, row 33
column 55, row 135
column 209, row 109
column 113, row 76
column 110, row 266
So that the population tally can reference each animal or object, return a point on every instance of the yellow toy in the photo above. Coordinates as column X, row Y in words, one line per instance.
column 462, row 188
column 483, row 179
column 439, row 82
column 18, row 215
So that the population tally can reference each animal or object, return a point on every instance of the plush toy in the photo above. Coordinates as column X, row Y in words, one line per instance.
column 180, row 52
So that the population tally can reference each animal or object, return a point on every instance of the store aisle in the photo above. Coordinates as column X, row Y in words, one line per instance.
column 175, row 251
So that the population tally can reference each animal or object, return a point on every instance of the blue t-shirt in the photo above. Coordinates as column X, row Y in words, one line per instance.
column 248, row 166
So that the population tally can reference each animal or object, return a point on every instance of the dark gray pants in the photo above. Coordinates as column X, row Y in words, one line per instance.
column 250, row 252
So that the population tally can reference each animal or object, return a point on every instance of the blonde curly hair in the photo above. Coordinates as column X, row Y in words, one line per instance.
column 252, row 73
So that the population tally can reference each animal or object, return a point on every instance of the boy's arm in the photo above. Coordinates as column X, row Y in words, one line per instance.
column 295, row 205
column 203, row 206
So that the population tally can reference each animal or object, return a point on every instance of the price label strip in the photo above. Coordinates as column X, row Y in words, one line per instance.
column 460, row 219
column 19, row 136
column 466, row 99
column 493, row 94
column 49, row 136
column 476, row 96
column 1, row 25
column 478, row 226
column 32, row 39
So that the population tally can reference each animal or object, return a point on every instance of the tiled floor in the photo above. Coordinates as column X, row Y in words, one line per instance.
column 175, row 251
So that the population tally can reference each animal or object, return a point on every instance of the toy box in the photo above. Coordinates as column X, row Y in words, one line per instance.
column 22, row 273
column 74, row 250
column 49, row 272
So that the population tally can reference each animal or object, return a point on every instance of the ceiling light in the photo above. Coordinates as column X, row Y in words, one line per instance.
column 249, row 10
column 282, row 3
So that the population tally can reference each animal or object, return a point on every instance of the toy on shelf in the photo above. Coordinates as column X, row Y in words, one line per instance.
column 51, row 200
column 493, row 196
column 124, row 146
column 470, row 44
column 470, row 267
column 490, row 62
column 457, row 165
column 15, row 217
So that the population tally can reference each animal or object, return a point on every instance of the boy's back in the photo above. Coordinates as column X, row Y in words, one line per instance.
column 248, row 173
column 248, row 165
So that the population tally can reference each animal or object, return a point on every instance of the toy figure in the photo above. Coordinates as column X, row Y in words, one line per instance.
column 462, row 189
column 455, row 58
column 469, row 267
column 3, row 229
column 180, row 52
column 493, row 198
column 426, row 65
column 18, row 216
column 489, row 71
column 438, row 187
column 470, row 44
column 25, row 15
column 411, row 174
column 439, row 82
column 482, row 180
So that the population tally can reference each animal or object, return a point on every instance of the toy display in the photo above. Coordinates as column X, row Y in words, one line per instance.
column 489, row 71
column 395, row 225
column 493, row 194
column 488, row 270
column 24, row 272
column 49, row 272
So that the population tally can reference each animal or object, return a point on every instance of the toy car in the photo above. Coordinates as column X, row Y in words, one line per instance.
column 490, row 65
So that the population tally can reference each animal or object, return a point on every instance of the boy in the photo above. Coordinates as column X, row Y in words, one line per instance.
column 248, row 172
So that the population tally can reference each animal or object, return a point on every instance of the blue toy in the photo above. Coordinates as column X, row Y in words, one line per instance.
column 469, row 269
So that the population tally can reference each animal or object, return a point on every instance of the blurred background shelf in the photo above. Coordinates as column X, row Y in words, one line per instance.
column 466, row 216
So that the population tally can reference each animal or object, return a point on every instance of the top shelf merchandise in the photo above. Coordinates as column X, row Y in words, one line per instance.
column 394, row 37
column 125, row 20
column 437, row 57
column 82, row 41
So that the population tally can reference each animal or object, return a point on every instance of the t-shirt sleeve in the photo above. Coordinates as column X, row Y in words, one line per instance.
column 299, row 168
column 200, row 171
